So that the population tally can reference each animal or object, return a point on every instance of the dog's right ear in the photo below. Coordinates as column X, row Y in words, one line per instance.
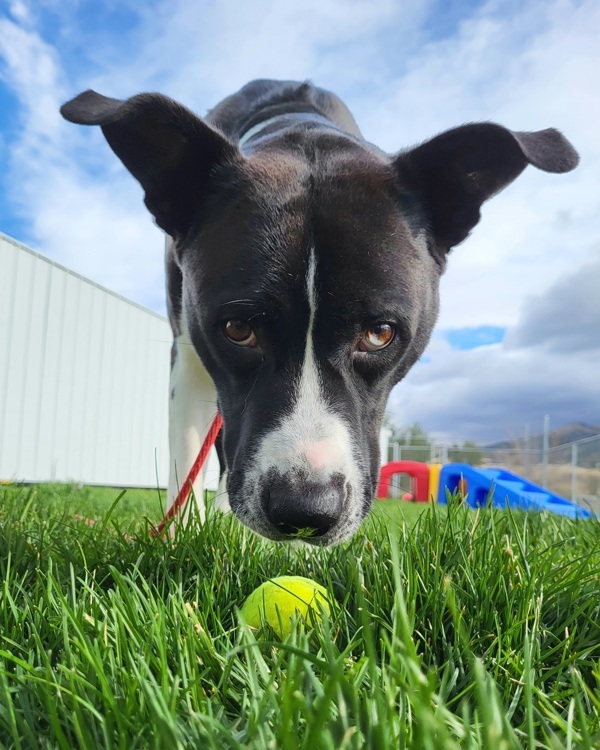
column 167, row 148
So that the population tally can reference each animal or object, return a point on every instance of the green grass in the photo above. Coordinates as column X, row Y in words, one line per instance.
column 449, row 629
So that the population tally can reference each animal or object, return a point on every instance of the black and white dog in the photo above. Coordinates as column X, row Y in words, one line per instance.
column 303, row 267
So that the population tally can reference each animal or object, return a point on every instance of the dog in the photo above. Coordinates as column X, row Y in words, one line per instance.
column 303, row 266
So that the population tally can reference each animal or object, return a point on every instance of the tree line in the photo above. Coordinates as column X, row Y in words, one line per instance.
column 420, row 444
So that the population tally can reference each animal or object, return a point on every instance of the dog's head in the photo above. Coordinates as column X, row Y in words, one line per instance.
column 310, row 267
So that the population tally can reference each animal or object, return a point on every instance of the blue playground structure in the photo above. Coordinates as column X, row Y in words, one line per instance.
column 504, row 488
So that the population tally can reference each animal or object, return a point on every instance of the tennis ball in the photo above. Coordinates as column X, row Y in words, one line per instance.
column 276, row 600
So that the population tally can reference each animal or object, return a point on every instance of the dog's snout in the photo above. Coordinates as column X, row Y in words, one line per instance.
column 309, row 511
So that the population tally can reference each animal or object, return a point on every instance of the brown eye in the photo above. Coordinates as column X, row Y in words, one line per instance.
column 239, row 332
column 377, row 337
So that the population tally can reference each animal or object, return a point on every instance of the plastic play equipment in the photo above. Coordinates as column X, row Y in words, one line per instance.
column 434, row 480
column 504, row 488
column 475, row 486
column 418, row 471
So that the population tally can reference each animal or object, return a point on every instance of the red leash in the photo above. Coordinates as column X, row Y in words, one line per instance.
column 186, row 487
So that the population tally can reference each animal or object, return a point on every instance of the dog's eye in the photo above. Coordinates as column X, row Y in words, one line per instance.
column 377, row 337
column 239, row 332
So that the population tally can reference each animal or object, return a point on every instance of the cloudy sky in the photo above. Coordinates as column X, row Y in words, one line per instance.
column 519, row 330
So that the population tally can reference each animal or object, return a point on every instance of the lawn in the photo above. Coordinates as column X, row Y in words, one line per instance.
column 449, row 629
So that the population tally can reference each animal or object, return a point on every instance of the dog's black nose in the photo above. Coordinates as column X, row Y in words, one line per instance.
column 304, row 511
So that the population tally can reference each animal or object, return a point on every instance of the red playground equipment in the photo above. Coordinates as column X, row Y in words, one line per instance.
column 418, row 472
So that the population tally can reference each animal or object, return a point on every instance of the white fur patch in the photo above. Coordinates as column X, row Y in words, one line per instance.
column 312, row 438
column 192, row 408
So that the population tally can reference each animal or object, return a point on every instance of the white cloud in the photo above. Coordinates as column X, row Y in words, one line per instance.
column 489, row 393
column 95, row 226
column 32, row 70
column 19, row 11
column 566, row 320
column 199, row 53
column 547, row 364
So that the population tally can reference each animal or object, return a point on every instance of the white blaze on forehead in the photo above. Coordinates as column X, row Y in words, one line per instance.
column 312, row 437
column 309, row 381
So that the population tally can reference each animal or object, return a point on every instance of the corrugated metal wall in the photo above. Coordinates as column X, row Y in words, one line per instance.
column 83, row 378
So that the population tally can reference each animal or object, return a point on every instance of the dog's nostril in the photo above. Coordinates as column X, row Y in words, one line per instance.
column 304, row 514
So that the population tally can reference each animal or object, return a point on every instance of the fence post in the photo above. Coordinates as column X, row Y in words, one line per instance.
column 545, row 448
column 574, row 460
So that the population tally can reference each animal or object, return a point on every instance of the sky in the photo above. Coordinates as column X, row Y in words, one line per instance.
column 518, row 334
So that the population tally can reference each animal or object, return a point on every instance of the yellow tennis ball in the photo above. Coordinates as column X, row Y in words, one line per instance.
column 276, row 600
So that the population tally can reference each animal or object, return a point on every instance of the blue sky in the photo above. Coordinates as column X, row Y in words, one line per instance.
column 472, row 338
column 513, row 322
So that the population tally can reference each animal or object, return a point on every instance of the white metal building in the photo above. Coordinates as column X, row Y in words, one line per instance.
column 84, row 380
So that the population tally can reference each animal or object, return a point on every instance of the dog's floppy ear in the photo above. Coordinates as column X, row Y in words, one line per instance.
column 169, row 150
column 455, row 172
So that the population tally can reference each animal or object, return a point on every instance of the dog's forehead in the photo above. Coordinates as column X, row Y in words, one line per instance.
column 271, row 211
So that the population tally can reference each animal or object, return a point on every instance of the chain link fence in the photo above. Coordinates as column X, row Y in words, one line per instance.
column 571, row 470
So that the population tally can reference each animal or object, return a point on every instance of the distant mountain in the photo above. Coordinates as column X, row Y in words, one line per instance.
column 588, row 453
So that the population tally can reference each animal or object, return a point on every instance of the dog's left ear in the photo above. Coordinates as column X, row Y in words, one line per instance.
column 455, row 172
column 169, row 150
